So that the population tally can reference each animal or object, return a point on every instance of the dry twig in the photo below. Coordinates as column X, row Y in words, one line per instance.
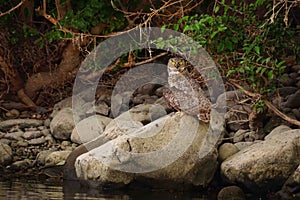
column 12, row 9
column 268, row 104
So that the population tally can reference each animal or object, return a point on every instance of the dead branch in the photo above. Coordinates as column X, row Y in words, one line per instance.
column 268, row 104
column 12, row 9
column 111, row 67
column 43, row 12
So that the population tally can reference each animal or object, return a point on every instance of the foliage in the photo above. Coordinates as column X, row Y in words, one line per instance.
column 249, row 48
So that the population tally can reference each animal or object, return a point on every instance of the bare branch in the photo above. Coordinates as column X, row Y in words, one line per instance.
column 12, row 9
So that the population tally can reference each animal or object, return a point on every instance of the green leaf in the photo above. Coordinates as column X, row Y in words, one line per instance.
column 217, row 8
column 270, row 74
column 176, row 27
column 257, row 49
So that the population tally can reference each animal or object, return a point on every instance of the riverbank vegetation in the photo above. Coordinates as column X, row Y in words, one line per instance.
column 43, row 42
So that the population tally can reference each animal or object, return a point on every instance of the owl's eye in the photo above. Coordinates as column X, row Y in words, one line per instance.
column 180, row 63
column 173, row 63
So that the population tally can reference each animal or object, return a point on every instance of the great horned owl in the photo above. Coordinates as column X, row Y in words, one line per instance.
column 185, row 93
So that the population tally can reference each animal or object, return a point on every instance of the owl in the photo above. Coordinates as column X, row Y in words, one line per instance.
column 184, row 93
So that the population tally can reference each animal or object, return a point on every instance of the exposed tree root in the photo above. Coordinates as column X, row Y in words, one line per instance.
column 70, row 60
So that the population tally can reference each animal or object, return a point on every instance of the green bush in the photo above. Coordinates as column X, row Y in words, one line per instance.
column 248, row 48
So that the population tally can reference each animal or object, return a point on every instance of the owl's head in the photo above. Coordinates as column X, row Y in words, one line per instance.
column 177, row 64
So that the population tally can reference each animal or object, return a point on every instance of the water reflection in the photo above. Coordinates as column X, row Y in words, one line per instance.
column 21, row 189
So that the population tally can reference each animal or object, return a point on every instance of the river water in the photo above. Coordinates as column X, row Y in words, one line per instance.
column 33, row 189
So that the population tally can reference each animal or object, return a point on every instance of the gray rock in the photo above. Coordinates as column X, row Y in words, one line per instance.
column 5, row 141
column 46, row 132
column 242, row 145
column 65, row 103
column 41, row 157
column 129, row 121
column 21, row 123
column 147, row 89
column 276, row 131
column 89, row 128
column 22, row 143
column 290, row 189
column 21, row 165
column 62, row 124
column 293, row 100
column 37, row 141
column 101, row 108
column 50, row 139
column 47, row 122
column 230, row 97
column 14, row 135
column 231, row 193
column 239, row 135
column 5, row 154
column 172, row 150
column 226, row 150
column 267, row 164
column 56, row 157
column 296, row 68
column 32, row 134
column 159, row 91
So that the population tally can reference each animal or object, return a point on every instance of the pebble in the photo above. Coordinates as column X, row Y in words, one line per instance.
column 32, row 134
column 14, row 135
column 231, row 193
column 37, row 141
column 226, row 150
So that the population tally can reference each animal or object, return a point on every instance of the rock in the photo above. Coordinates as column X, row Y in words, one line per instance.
column 5, row 141
column 14, row 135
column 239, row 135
column 65, row 103
column 242, row 145
column 278, row 130
column 159, row 91
column 296, row 68
column 50, row 139
column 101, row 108
column 13, row 113
column 21, row 123
column 226, row 150
column 293, row 100
column 147, row 89
column 62, row 124
column 267, row 164
column 56, row 157
column 45, row 132
column 144, row 99
column 37, row 141
column 296, row 112
column 171, row 151
column 21, row 165
column 22, row 143
column 230, row 97
column 89, row 128
column 274, row 122
column 32, row 134
column 47, row 122
column 291, row 188
column 129, row 121
column 231, row 193
column 5, row 154
column 41, row 157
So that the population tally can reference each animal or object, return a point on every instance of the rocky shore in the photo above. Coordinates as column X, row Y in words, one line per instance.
column 235, row 154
